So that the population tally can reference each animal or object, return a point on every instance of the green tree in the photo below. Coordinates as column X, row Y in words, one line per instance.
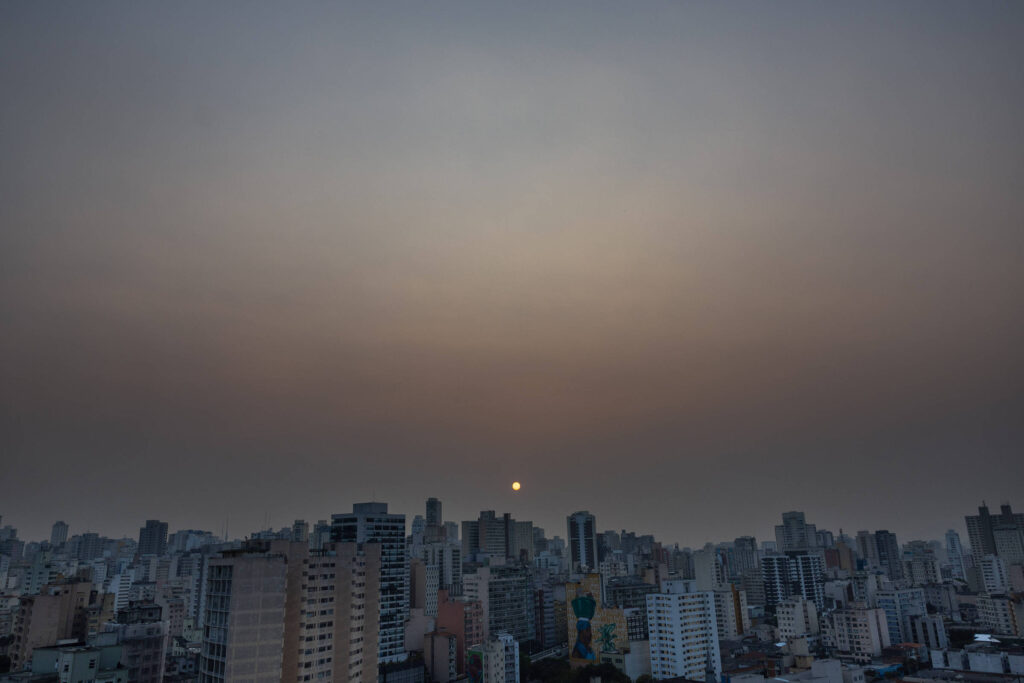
column 607, row 672
column 551, row 671
column 524, row 667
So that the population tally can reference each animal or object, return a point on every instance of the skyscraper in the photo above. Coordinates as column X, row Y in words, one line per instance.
column 59, row 534
column 371, row 523
column 153, row 538
column 807, row 572
column 447, row 557
column 955, row 555
column 994, row 577
column 793, row 574
column 582, row 535
column 276, row 611
column 300, row 531
column 707, row 569
column 867, row 548
column 920, row 564
column 745, row 555
column 981, row 528
column 506, row 596
column 889, row 557
column 683, row 632
column 434, row 530
column 775, row 576
column 795, row 534
column 90, row 546
column 497, row 537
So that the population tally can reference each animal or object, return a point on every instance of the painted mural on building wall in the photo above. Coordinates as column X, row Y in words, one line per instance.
column 592, row 629
column 475, row 666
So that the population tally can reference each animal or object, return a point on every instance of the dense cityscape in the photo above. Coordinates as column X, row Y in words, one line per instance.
column 369, row 595
column 515, row 341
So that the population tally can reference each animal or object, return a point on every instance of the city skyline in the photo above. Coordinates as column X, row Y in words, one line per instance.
column 555, row 529
column 687, row 266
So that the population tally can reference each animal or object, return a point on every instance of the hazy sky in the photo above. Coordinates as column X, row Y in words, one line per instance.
column 684, row 265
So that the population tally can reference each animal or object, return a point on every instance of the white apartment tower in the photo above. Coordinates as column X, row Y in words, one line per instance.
column 683, row 632
column 994, row 576
column 797, row 617
column 501, row 659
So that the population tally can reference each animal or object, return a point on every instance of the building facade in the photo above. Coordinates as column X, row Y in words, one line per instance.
column 371, row 523
column 683, row 631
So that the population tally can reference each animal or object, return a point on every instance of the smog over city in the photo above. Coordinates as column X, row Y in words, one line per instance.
column 683, row 266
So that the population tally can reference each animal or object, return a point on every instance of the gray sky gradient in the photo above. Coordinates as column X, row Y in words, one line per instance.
column 684, row 265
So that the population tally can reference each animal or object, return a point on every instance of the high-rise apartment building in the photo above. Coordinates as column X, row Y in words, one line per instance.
column 153, row 538
column 920, row 564
column 141, row 631
column 419, row 525
column 274, row 611
column 793, row 574
column 499, row 659
column 731, row 612
column 320, row 536
column 744, row 555
column 955, row 555
column 797, row 617
column 889, row 556
column 371, row 523
column 447, row 557
column 57, row 613
column 505, row 593
column 497, row 537
column 582, row 535
column 981, row 528
column 1009, row 538
column 857, row 633
column 994, row 577
column 807, row 571
column 300, row 531
column 440, row 656
column 775, row 577
column 58, row 534
column 465, row 619
column 900, row 606
column 929, row 630
column 343, row 589
column 1002, row 614
column 867, row 548
column 90, row 546
column 683, row 632
column 795, row 534
column 252, row 599
column 434, row 530
column 707, row 569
